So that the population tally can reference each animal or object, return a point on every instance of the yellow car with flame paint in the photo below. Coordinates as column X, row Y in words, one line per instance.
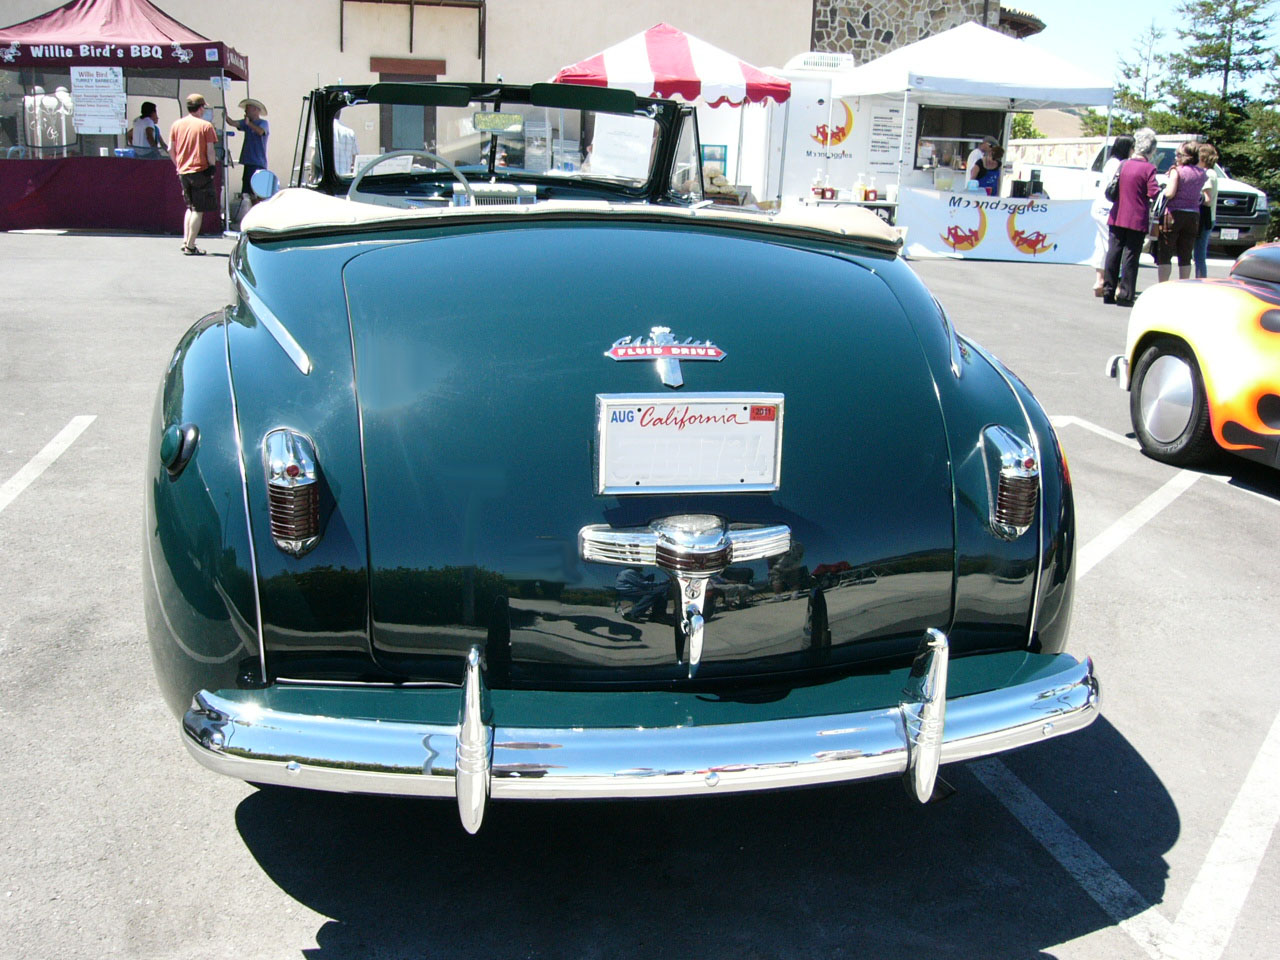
column 1202, row 364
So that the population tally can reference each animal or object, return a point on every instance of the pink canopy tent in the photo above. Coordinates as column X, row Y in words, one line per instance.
column 117, row 33
column 105, row 192
column 666, row 62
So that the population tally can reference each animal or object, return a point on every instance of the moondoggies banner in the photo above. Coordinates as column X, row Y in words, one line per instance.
column 977, row 227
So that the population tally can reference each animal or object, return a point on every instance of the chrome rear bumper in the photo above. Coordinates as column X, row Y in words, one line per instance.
column 477, row 758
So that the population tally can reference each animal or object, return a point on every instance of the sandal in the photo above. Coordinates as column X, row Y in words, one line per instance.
column 192, row 251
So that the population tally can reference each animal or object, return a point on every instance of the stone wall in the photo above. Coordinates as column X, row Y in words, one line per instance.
column 871, row 28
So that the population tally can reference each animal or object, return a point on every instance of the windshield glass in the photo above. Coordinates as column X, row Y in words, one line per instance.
column 512, row 140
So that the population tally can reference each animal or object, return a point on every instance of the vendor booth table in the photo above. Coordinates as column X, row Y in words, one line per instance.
column 66, row 169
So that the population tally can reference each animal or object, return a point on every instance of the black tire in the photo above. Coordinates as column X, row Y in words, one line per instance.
column 1192, row 444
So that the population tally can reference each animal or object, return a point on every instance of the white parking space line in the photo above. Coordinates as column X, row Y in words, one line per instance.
column 1105, row 887
column 1101, row 546
column 1219, row 891
column 1218, row 894
column 41, row 461
column 1068, row 421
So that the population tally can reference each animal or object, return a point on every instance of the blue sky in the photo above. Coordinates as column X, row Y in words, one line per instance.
column 1095, row 33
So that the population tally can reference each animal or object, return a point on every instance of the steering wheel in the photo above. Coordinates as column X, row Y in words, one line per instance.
column 354, row 192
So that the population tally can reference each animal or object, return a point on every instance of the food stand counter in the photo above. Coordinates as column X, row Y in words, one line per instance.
column 95, row 193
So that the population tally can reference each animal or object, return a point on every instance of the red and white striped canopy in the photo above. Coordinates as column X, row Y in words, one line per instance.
column 666, row 62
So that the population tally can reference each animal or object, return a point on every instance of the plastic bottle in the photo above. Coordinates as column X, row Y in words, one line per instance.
column 860, row 188
column 872, row 193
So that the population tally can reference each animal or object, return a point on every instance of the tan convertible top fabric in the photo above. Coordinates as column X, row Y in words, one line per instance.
column 301, row 210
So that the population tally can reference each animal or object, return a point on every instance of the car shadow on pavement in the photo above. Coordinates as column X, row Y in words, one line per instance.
column 1238, row 472
column 852, row 870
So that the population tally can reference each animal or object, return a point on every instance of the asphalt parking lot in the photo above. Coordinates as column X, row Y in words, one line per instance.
column 1149, row 835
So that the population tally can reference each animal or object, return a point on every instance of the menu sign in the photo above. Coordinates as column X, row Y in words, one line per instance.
column 886, row 138
column 99, row 99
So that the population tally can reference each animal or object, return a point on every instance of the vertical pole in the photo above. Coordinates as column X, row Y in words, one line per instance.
column 826, row 147
column 411, row 8
column 226, row 157
column 737, row 164
column 342, row 25
column 1108, row 139
column 782, row 166
column 902, row 135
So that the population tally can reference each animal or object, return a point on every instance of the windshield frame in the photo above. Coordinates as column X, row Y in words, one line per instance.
column 329, row 101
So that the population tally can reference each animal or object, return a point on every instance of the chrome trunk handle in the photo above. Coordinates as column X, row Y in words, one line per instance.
column 692, row 548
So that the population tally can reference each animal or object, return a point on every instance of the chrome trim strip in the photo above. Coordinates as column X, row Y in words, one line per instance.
column 957, row 355
column 474, row 746
column 273, row 326
column 362, row 684
column 244, row 488
column 364, row 468
column 758, row 543
column 924, row 716
column 1002, row 371
column 241, row 739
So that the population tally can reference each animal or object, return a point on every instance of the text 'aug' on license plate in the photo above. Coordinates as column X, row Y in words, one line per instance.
column 694, row 443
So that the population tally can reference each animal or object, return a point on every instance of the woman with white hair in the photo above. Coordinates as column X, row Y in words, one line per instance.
column 1129, row 219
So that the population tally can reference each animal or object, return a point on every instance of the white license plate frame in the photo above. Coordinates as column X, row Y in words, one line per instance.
column 662, row 444
column 1230, row 233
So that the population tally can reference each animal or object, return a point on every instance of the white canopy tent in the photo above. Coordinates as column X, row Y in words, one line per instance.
column 973, row 66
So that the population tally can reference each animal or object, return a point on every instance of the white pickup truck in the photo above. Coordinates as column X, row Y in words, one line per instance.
column 1241, row 217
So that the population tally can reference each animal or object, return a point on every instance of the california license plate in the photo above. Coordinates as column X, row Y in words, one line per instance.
column 1230, row 233
column 696, row 443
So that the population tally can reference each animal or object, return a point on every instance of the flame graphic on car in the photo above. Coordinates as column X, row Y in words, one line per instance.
column 1239, row 358
column 960, row 239
column 828, row 137
column 1033, row 243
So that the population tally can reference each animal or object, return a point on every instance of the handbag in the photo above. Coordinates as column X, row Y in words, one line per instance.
column 1159, row 211
column 1112, row 190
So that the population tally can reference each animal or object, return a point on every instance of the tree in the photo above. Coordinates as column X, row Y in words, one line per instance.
column 1140, row 81
column 1142, row 76
column 1227, row 42
column 1024, row 128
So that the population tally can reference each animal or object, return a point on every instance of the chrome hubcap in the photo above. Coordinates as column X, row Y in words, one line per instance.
column 1167, row 393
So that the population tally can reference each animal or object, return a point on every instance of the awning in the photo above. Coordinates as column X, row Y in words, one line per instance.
column 666, row 62
column 972, row 66
column 117, row 33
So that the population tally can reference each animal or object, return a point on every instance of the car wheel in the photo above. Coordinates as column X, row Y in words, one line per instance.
column 1168, row 406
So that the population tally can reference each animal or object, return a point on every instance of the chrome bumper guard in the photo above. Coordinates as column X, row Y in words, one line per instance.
column 1118, row 370
column 476, row 759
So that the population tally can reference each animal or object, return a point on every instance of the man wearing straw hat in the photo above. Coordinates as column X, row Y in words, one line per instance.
column 253, row 155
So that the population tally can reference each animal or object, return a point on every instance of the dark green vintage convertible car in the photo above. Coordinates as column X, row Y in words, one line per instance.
column 516, row 469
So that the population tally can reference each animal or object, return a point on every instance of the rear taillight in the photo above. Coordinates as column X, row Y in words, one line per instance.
column 293, row 491
column 1013, row 482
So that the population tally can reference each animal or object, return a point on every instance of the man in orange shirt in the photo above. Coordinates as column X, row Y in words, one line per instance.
column 191, row 141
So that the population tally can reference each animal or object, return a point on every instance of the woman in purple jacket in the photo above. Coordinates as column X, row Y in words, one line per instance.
column 1182, row 221
column 1128, row 220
